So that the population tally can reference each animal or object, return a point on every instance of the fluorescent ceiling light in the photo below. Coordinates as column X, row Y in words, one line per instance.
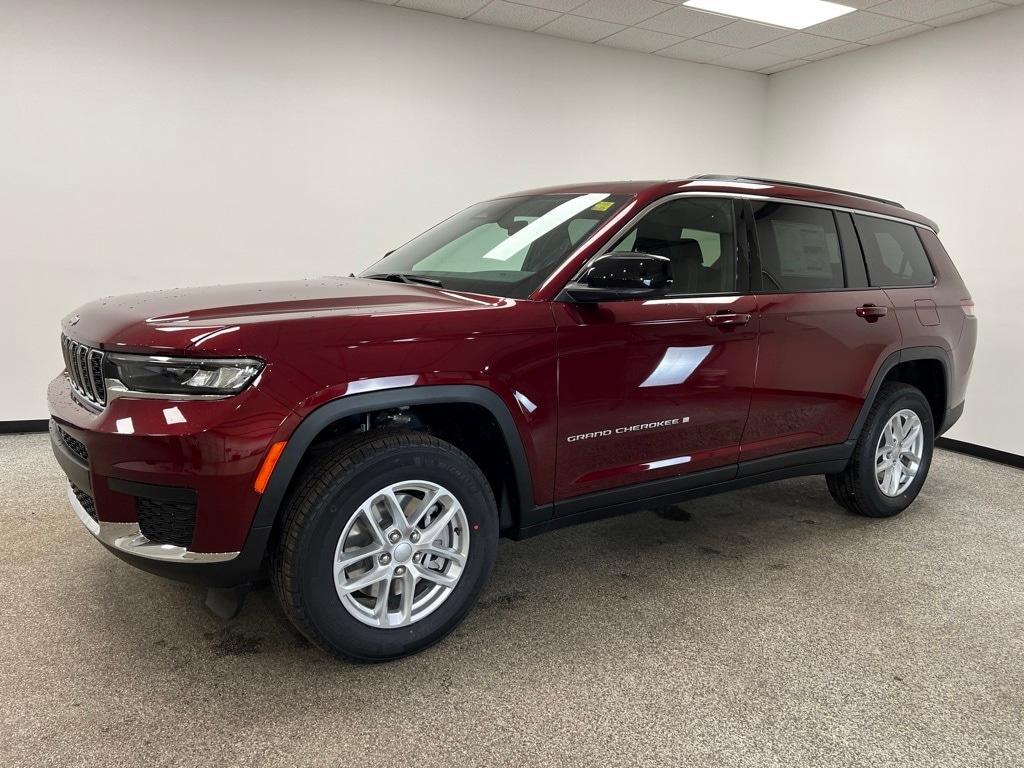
column 795, row 14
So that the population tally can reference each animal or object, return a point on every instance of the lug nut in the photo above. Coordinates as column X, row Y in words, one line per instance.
column 417, row 557
column 415, row 536
column 400, row 570
column 385, row 559
column 394, row 536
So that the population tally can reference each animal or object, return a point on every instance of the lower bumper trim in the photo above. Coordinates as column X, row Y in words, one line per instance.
column 128, row 538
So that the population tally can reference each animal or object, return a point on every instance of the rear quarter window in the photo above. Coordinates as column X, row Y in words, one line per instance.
column 893, row 252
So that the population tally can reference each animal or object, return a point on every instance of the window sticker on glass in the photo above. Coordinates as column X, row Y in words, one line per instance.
column 603, row 206
column 804, row 249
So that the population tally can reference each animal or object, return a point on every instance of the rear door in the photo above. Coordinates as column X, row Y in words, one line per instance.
column 654, row 390
column 823, row 330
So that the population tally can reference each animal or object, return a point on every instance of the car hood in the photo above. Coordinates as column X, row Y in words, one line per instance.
column 250, row 318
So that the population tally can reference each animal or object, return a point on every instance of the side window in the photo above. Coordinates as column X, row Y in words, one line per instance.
column 894, row 253
column 799, row 248
column 697, row 236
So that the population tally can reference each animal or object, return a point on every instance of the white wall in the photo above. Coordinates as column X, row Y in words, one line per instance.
column 935, row 121
column 159, row 143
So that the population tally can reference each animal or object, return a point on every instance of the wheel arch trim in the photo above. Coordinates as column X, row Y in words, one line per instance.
column 335, row 410
column 902, row 356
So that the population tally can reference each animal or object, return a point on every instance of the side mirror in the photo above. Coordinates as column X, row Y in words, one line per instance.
column 621, row 276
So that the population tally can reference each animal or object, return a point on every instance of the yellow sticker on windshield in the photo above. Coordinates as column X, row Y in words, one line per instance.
column 604, row 206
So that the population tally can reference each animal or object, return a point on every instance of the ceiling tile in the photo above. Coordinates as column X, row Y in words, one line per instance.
column 576, row 28
column 621, row 11
column 697, row 50
column 970, row 13
column 645, row 40
column 856, row 26
column 744, row 34
column 800, row 44
column 750, row 60
column 553, row 5
column 862, row 4
column 684, row 22
column 923, row 10
column 514, row 15
column 848, row 48
column 896, row 34
column 460, row 8
column 783, row 66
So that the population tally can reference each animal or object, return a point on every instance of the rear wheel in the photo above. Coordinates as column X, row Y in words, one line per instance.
column 386, row 545
column 893, row 454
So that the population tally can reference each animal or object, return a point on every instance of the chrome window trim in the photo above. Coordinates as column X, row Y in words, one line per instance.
column 128, row 538
column 606, row 248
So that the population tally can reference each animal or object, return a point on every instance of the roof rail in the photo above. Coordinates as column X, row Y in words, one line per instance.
column 714, row 177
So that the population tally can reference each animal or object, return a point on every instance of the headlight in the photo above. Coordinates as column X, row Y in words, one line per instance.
column 182, row 376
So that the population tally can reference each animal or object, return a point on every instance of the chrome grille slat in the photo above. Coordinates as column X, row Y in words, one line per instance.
column 83, row 374
column 64, row 342
column 96, row 375
column 85, row 370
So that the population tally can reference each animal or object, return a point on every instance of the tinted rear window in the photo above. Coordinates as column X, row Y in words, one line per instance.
column 893, row 252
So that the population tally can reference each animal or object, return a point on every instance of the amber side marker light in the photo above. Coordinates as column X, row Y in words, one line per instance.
column 269, row 462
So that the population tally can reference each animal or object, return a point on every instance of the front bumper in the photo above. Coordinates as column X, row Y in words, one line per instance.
column 201, row 456
column 129, row 539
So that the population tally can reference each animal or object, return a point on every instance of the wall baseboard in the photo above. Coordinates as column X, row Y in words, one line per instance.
column 991, row 454
column 27, row 425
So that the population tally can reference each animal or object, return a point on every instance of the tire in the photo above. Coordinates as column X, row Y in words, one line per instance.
column 857, row 488
column 333, row 497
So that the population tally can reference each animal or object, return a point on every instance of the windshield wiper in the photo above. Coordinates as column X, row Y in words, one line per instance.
column 405, row 277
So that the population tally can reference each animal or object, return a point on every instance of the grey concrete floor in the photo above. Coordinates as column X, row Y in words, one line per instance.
column 759, row 628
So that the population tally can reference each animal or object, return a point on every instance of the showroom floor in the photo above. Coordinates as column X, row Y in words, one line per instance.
column 764, row 628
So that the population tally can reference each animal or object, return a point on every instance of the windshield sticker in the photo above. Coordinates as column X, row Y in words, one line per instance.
column 601, row 207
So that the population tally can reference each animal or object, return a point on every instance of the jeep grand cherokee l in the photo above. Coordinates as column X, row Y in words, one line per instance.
column 534, row 361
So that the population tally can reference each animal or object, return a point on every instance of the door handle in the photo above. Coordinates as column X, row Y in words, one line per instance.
column 727, row 319
column 871, row 312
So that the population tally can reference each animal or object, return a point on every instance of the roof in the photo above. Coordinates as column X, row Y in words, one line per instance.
column 649, row 191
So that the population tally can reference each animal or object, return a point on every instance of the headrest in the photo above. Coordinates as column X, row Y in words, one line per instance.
column 652, row 229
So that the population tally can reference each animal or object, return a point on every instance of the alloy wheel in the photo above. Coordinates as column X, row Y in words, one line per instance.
column 899, row 452
column 401, row 554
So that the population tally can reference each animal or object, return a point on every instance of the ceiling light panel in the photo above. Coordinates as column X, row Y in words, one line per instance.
column 794, row 14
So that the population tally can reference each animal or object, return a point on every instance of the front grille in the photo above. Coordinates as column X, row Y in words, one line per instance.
column 166, row 522
column 85, row 369
column 86, row 501
column 77, row 447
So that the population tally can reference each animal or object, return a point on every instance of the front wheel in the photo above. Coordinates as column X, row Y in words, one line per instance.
column 893, row 454
column 386, row 544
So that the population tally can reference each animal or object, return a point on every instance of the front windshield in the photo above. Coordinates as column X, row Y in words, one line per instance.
column 504, row 247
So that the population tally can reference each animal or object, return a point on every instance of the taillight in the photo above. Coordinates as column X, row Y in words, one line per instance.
column 967, row 305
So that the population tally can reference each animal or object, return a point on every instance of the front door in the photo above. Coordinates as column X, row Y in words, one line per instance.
column 650, row 391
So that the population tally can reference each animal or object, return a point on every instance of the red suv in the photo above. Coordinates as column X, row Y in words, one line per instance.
column 535, row 361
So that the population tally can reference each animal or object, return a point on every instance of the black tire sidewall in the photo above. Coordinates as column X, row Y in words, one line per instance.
column 899, row 399
column 319, row 539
